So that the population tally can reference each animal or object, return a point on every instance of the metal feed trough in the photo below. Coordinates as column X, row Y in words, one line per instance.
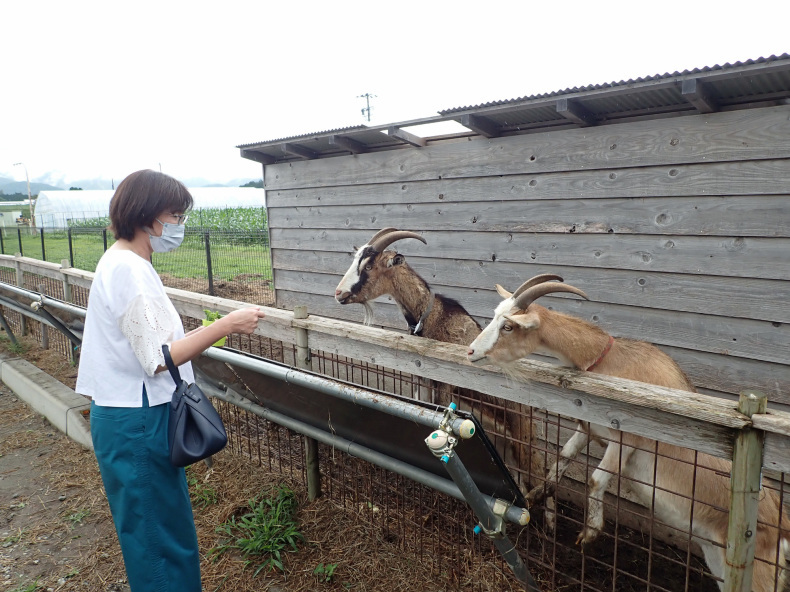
column 384, row 429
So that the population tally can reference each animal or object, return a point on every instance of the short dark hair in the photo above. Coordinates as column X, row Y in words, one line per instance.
column 141, row 197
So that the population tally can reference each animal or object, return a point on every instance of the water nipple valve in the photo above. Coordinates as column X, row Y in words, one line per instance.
column 467, row 429
column 437, row 440
column 453, row 406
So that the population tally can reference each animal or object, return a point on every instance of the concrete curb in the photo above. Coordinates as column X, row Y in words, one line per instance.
column 49, row 397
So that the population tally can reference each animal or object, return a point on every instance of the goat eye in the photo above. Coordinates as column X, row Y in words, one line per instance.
column 368, row 267
column 507, row 328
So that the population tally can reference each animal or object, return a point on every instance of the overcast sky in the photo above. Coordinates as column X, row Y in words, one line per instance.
column 101, row 89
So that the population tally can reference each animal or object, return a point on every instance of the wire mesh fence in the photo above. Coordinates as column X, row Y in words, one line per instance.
column 231, row 263
column 664, row 527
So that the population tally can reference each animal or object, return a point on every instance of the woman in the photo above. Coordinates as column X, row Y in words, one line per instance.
column 129, row 319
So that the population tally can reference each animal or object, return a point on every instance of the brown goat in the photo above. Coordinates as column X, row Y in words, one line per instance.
column 520, row 327
column 375, row 272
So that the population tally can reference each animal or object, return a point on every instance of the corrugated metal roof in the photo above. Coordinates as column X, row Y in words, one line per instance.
column 746, row 84
column 627, row 83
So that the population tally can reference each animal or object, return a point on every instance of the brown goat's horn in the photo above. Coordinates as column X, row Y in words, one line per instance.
column 382, row 241
column 529, row 296
column 538, row 279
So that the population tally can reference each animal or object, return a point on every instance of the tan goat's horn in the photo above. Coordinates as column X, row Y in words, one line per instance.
column 538, row 279
column 382, row 241
column 535, row 292
column 380, row 233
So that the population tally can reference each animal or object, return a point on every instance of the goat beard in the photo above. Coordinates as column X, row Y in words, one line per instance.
column 368, row 314
column 515, row 371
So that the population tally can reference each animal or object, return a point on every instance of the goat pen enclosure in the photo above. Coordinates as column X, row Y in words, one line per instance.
column 637, row 550
column 664, row 199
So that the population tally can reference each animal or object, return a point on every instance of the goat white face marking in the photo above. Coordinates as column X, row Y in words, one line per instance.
column 352, row 276
column 488, row 337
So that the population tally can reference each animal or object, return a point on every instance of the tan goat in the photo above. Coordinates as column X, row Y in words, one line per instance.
column 376, row 271
column 521, row 327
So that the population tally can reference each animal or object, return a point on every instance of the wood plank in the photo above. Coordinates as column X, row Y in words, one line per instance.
column 701, row 293
column 759, row 177
column 407, row 137
column 481, row 125
column 696, row 93
column 735, row 257
column 576, row 112
column 710, row 371
column 750, row 134
column 445, row 362
column 745, row 216
column 347, row 143
column 776, row 456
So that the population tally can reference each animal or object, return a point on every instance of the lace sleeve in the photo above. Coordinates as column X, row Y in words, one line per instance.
column 148, row 324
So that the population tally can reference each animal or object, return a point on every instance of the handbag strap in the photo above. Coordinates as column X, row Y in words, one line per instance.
column 171, row 366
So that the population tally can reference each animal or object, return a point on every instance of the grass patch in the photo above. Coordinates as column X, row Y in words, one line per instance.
column 77, row 517
column 264, row 533
column 202, row 495
column 28, row 587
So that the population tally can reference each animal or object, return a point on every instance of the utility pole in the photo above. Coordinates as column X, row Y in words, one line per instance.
column 366, row 110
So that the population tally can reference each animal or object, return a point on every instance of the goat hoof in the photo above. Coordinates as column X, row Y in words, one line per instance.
column 586, row 536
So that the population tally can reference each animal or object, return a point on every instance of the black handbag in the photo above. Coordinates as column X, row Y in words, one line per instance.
column 195, row 430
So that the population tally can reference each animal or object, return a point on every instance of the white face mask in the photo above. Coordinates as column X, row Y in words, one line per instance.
column 170, row 239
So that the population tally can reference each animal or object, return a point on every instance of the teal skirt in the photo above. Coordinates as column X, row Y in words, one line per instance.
column 148, row 497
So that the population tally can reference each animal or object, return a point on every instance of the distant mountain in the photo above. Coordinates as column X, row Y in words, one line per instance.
column 4, row 180
column 199, row 182
column 21, row 187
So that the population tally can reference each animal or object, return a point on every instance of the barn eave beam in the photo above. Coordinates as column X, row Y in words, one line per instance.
column 575, row 112
column 290, row 149
column 346, row 143
column 696, row 92
column 480, row 125
column 407, row 137
column 257, row 156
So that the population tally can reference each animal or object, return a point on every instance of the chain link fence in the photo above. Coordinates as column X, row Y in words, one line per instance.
column 230, row 263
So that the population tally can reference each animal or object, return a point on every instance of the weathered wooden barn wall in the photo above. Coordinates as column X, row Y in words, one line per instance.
column 678, row 229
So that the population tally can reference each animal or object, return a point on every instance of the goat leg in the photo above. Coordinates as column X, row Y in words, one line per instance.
column 615, row 457
column 567, row 454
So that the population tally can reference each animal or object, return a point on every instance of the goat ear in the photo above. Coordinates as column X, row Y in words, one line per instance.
column 526, row 321
column 398, row 259
column 502, row 292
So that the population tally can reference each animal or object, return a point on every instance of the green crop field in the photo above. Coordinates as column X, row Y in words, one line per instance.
column 233, row 253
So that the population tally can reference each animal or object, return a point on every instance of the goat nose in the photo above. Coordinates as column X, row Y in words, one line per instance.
column 337, row 292
column 470, row 352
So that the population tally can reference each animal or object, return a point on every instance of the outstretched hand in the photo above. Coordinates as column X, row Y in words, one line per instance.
column 244, row 320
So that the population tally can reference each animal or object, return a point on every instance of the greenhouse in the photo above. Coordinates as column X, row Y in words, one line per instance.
column 59, row 209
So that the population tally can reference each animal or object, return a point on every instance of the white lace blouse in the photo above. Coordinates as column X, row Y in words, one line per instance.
column 129, row 318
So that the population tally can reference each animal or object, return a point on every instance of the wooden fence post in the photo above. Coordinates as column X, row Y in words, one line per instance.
column 44, row 326
column 67, row 295
column 745, row 484
column 312, row 469
column 20, row 281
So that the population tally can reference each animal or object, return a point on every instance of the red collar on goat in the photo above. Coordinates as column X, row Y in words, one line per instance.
column 603, row 354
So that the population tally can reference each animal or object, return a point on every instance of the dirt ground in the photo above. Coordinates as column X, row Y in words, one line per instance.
column 56, row 533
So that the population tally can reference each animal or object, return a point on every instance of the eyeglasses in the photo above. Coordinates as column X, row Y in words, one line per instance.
column 181, row 218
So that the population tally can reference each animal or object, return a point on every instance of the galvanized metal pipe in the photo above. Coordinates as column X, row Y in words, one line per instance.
column 513, row 514
column 489, row 521
column 350, row 393
column 44, row 300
